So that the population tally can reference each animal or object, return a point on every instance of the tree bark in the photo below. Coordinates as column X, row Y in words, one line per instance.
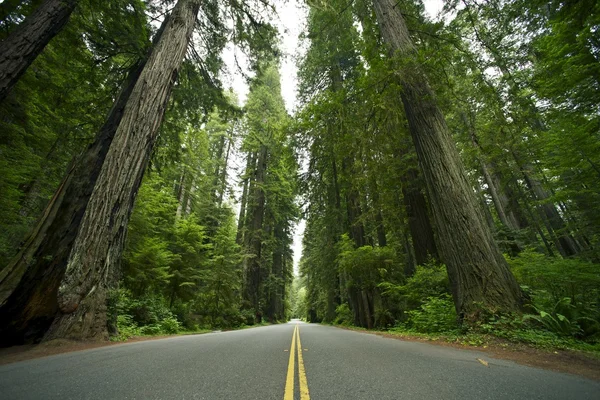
column 180, row 194
column 419, row 223
column 239, row 237
column 223, row 184
column 252, row 275
column 555, row 225
column 29, row 283
column 92, row 267
column 27, row 41
column 478, row 273
column 499, row 198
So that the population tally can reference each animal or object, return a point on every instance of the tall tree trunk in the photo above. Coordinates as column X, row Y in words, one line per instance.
column 217, row 172
column 180, row 194
column 478, row 273
column 419, row 223
column 353, row 209
column 379, row 225
column 223, row 183
column 27, row 41
column 92, row 267
column 239, row 237
column 252, row 273
column 564, row 242
column 276, row 292
column 28, row 285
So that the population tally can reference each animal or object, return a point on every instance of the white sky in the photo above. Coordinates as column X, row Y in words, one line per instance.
column 291, row 22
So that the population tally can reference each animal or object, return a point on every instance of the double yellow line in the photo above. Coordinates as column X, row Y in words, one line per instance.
column 289, row 382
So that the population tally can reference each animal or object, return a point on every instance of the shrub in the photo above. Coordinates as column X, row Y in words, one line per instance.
column 564, row 319
column 437, row 314
column 127, row 328
column 248, row 317
column 170, row 325
column 343, row 315
column 558, row 277
column 144, row 316
column 564, row 293
column 429, row 280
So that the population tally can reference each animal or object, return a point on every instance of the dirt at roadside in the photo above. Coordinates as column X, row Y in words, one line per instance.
column 26, row 352
column 567, row 361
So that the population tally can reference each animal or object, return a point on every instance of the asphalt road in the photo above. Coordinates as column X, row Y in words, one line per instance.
column 254, row 364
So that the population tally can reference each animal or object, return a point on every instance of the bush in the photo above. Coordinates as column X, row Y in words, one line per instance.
column 170, row 325
column 564, row 319
column 558, row 277
column 429, row 280
column 127, row 328
column 144, row 316
column 343, row 315
column 564, row 293
column 248, row 316
column 436, row 315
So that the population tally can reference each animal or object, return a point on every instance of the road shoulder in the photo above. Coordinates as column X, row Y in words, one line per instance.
column 565, row 361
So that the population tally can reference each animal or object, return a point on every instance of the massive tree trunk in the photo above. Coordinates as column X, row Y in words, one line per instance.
column 252, row 275
column 378, row 217
column 28, row 285
column 223, row 183
column 92, row 269
column 63, row 270
column 27, row 41
column 276, row 291
column 478, row 273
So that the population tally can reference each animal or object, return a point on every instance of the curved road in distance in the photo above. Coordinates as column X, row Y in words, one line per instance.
column 255, row 364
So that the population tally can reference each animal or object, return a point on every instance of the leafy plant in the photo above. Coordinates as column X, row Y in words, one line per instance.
column 343, row 315
column 562, row 318
column 437, row 314
column 170, row 325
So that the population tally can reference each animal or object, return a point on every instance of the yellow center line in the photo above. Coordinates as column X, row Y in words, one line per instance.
column 301, row 373
column 289, row 382
column 291, row 373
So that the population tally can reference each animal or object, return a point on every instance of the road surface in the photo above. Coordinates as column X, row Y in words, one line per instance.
column 264, row 363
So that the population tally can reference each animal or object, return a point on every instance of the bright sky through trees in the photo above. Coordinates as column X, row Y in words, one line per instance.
column 291, row 22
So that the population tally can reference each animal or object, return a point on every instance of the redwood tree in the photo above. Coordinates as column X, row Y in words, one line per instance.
column 27, row 41
column 478, row 273
column 61, row 276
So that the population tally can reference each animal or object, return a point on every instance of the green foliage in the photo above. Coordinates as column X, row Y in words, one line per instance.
column 564, row 293
column 559, row 277
column 365, row 266
column 126, row 328
column 565, row 319
column 298, row 298
column 430, row 280
column 170, row 325
column 436, row 314
column 143, row 316
column 343, row 315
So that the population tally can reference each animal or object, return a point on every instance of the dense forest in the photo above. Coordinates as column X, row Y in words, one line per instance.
column 448, row 170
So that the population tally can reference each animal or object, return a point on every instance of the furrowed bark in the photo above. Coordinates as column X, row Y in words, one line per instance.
column 239, row 237
column 418, row 218
column 27, row 41
column 29, row 284
column 92, row 267
column 252, row 275
column 478, row 273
